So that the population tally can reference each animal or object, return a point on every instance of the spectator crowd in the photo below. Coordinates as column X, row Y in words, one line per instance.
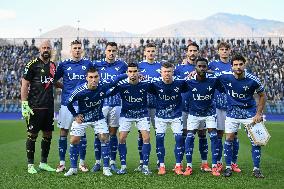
column 264, row 59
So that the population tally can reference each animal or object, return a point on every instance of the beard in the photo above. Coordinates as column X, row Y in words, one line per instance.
column 46, row 55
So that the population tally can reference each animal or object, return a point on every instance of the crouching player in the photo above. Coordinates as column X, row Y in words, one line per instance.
column 90, row 97
column 201, row 109
column 134, row 97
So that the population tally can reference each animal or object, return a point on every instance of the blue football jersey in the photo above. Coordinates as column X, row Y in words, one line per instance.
column 73, row 74
column 182, row 71
column 90, row 102
column 201, row 95
column 220, row 98
column 150, row 71
column 108, row 71
column 168, row 97
column 241, row 103
column 134, row 98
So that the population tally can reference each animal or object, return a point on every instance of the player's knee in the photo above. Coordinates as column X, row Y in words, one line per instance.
column 47, row 139
column 160, row 138
column 74, row 140
column 212, row 133
column 146, row 139
column 104, row 138
column 47, row 134
column 230, row 136
column 122, row 139
column 220, row 133
column 64, row 132
column 202, row 132
column 32, row 137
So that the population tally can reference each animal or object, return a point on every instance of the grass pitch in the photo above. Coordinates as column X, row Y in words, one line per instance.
column 13, row 172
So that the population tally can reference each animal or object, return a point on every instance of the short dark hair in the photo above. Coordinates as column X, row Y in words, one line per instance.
column 238, row 57
column 150, row 45
column 192, row 44
column 201, row 59
column 223, row 44
column 167, row 65
column 113, row 44
column 132, row 64
column 92, row 70
column 76, row 42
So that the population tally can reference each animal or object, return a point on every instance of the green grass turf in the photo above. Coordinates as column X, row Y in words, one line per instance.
column 13, row 172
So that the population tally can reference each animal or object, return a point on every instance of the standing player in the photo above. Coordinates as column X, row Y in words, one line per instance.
column 38, row 105
column 134, row 97
column 223, row 64
column 201, row 109
column 240, row 87
column 90, row 98
column 109, row 68
column 73, row 71
column 168, row 112
column 182, row 70
column 150, row 69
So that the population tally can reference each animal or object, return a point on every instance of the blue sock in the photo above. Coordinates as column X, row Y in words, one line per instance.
column 74, row 153
column 256, row 155
column 113, row 147
column 236, row 146
column 189, row 145
column 219, row 148
column 122, row 153
column 178, row 147
column 160, row 147
column 62, row 147
column 83, row 146
column 214, row 140
column 183, row 145
column 140, row 144
column 203, row 147
column 228, row 152
column 146, row 149
column 97, row 147
column 105, row 153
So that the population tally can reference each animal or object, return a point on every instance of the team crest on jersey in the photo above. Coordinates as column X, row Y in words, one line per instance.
column 209, row 88
column 216, row 68
column 117, row 68
column 246, row 88
column 229, row 84
column 69, row 68
column 84, row 68
column 103, row 68
column 126, row 92
column 158, row 70
column 87, row 98
column 161, row 90
column 143, row 71
column 42, row 70
column 102, row 93
column 142, row 90
column 176, row 89
column 194, row 89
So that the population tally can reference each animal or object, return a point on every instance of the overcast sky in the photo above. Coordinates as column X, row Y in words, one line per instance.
column 29, row 18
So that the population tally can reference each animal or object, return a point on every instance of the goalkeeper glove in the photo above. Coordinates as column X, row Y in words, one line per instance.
column 26, row 111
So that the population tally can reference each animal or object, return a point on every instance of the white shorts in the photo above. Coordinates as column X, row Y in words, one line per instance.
column 202, row 125
column 233, row 124
column 65, row 118
column 195, row 122
column 142, row 124
column 112, row 115
column 100, row 127
column 161, row 125
column 221, row 117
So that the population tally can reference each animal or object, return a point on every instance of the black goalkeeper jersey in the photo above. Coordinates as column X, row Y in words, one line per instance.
column 41, row 77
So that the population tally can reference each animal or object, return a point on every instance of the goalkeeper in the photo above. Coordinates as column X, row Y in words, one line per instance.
column 38, row 105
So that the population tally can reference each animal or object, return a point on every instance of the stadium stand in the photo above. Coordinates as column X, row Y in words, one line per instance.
column 265, row 58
